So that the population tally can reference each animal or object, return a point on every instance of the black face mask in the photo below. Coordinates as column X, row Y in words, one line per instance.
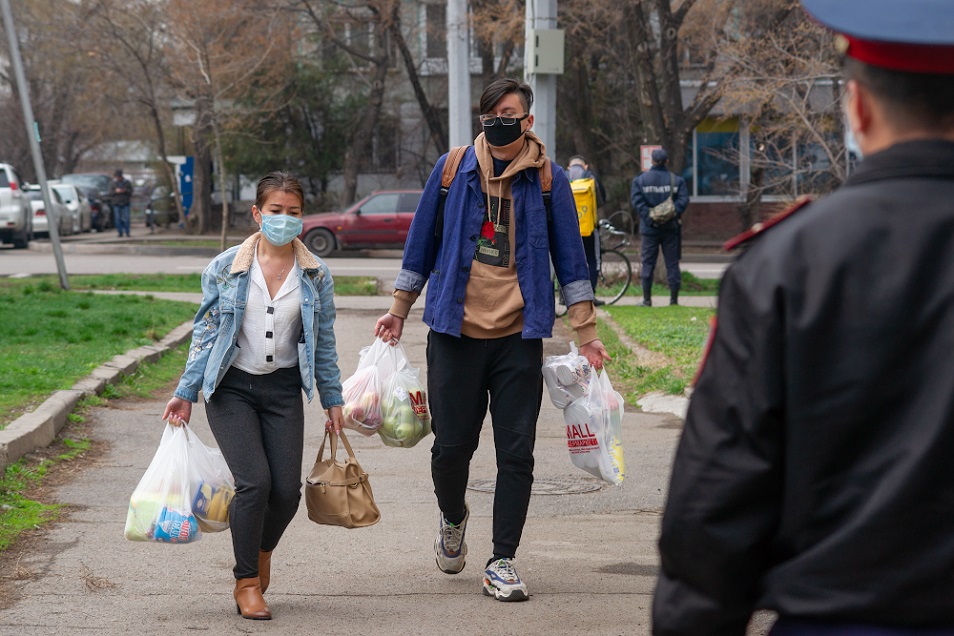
column 499, row 135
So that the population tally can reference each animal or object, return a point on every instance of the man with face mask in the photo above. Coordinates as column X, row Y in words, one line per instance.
column 489, row 304
column 814, row 475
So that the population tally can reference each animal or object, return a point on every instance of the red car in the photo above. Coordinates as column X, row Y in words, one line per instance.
column 378, row 221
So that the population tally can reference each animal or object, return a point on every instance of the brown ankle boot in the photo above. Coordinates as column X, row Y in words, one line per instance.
column 249, row 601
column 264, row 568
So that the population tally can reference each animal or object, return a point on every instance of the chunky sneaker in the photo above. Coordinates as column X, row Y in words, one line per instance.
column 501, row 581
column 449, row 545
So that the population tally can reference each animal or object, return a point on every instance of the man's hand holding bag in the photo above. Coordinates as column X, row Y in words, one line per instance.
column 338, row 493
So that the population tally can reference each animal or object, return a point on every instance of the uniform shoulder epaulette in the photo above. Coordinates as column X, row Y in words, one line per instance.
column 759, row 228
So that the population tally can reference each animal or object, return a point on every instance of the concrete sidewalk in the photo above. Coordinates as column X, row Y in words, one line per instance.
column 588, row 553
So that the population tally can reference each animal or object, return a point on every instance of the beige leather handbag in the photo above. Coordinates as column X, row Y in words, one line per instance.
column 338, row 493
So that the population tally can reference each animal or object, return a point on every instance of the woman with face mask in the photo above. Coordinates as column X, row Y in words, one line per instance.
column 263, row 334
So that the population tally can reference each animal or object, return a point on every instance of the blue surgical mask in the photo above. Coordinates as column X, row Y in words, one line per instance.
column 280, row 229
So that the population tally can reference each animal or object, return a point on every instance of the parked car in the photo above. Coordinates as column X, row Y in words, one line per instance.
column 16, row 219
column 98, row 219
column 78, row 205
column 378, row 221
column 42, row 216
column 102, row 184
column 161, row 208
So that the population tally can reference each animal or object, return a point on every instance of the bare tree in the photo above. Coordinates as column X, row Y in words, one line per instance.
column 73, row 105
column 221, row 50
column 435, row 125
column 133, row 54
column 369, row 60
column 786, row 86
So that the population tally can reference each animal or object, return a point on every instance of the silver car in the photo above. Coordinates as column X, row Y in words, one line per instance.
column 16, row 217
column 42, row 217
column 78, row 204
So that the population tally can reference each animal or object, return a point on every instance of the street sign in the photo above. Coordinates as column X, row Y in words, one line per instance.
column 186, row 171
column 646, row 157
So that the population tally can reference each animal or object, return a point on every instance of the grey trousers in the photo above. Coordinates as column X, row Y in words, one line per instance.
column 258, row 423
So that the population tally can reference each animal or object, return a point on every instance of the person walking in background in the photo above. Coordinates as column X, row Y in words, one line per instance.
column 578, row 170
column 814, row 475
column 489, row 304
column 648, row 190
column 121, row 196
column 264, row 333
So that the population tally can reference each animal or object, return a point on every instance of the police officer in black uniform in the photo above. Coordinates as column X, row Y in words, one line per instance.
column 815, row 475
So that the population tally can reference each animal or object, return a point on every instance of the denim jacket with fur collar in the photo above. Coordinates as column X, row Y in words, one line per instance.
column 224, row 294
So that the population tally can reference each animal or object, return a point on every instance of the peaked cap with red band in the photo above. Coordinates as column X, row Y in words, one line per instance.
column 913, row 36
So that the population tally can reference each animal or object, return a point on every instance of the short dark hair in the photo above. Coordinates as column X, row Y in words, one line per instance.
column 497, row 89
column 912, row 100
column 278, row 182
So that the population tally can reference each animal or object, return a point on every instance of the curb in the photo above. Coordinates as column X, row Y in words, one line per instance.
column 39, row 428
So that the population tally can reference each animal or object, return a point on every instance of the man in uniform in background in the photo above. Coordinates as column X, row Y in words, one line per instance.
column 648, row 190
column 815, row 475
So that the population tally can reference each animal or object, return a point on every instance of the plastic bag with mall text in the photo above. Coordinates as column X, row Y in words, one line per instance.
column 404, row 411
column 592, row 413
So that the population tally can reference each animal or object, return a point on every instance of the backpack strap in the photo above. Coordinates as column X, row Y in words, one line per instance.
column 546, row 184
column 451, row 165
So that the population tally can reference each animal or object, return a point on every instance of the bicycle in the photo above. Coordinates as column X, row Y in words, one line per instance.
column 624, row 221
column 615, row 270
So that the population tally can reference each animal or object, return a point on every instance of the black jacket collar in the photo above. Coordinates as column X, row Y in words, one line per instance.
column 923, row 158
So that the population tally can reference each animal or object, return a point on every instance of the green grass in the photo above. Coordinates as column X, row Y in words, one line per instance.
column 344, row 285
column 18, row 512
column 52, row 338
column 21, row 483
column 678, row 333
column 691, row 286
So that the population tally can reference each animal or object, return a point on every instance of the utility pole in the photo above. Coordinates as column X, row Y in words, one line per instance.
column 543, row 62
column 460, row 126
column 33, row 135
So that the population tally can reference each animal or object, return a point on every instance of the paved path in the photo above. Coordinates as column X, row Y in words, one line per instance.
column 589, row 558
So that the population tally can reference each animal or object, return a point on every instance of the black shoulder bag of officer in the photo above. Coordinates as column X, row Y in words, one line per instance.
column 664, row 212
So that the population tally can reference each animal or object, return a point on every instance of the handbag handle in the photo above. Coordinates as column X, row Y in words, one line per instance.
column 334, row 445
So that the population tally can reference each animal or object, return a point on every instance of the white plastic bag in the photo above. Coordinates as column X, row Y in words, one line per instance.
column 160, row 508
column 406, row 418
column 362, row 391
column 567, row 377
column 594, row 430
column 215, row 488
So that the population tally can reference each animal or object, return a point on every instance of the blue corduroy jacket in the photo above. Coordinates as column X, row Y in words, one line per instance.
column 445, row 265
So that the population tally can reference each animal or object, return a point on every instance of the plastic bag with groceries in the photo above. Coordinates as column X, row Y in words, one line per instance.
column 362, row 391
column 567, row 377
column 592, row 413
column 216, row 488
column 187, row 488
column 406, row 419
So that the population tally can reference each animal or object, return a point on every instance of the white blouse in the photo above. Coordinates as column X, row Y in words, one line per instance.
column 271, row 327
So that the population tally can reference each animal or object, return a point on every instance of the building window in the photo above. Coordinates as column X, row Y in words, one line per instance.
column 382, row 156
column 435, row 30
column 717, row 158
